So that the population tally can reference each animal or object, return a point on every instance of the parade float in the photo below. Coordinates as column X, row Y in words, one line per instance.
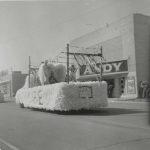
column 55, row 87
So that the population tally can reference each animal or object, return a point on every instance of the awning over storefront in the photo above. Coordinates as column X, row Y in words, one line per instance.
column 115, row 74
column 94, row 77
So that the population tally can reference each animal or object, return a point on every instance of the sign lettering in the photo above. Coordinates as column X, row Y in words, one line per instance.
column 107, row 67
column 117, row 66
column 87, row 70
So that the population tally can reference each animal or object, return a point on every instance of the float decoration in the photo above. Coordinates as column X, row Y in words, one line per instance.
column 49, row 87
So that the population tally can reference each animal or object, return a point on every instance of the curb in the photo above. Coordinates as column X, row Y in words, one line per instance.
column 129, row 99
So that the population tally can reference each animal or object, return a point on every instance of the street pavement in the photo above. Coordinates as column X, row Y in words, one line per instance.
column 122, row 126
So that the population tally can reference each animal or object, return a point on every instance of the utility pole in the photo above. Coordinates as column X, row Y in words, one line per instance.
column 68, row 63
column 29, row 69
column 11, row 83
column 101, row 50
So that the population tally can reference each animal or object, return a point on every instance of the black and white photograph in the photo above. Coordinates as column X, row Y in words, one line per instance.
column 75, row 75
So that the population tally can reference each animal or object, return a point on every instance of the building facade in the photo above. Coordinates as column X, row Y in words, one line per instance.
column 10, row 82
column 18, row 81
column 126, row 49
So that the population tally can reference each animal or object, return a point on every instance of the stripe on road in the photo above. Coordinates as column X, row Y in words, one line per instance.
column 8, row 144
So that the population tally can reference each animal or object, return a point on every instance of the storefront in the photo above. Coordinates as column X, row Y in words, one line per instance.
column 126, row 56
column 5, row 88
column 10, row 82
column 114, row 73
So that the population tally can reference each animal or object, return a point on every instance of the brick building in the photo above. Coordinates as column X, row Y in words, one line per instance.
column 18, row 80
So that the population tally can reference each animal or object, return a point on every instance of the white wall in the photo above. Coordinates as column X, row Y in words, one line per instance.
column 142, row 46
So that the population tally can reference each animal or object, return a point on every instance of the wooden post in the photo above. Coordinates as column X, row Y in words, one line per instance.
column 101, row 49
column 68, row 63
column 11, row 83
column 29, row 70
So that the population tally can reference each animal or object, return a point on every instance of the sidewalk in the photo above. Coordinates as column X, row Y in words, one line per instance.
column 130, row 99
column 8, row 99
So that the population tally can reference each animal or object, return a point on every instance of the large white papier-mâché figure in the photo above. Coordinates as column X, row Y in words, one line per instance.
column 47, row 74
column 47, row 71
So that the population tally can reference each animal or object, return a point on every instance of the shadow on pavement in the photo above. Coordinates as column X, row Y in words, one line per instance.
column 102, row 112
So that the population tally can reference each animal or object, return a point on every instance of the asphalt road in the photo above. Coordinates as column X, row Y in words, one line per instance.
column 121, row 126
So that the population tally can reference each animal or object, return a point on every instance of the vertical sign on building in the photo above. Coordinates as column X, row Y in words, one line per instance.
column 131, row 85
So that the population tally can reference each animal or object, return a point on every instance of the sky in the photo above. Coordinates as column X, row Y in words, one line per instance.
column 41, row 29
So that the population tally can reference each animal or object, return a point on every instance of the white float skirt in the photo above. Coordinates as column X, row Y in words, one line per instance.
column 64, row 97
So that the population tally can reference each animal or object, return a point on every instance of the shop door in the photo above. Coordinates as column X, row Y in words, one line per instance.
column 110, row 87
